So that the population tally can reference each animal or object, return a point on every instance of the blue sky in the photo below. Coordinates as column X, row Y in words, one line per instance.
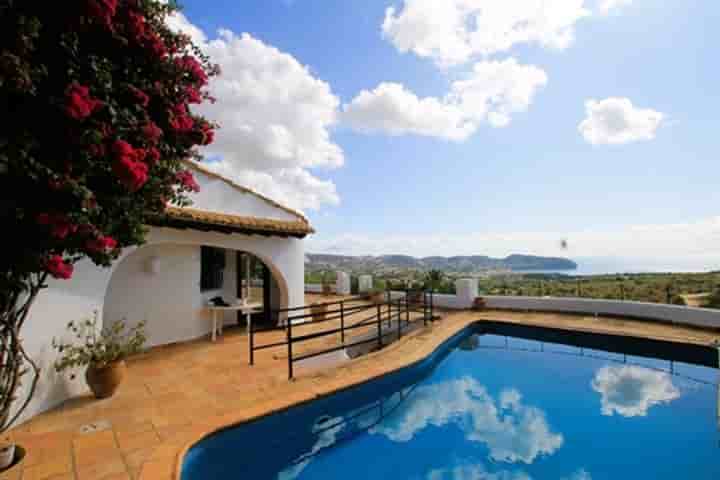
column 520, row 187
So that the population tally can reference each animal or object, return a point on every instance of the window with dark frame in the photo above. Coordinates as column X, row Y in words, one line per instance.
column 212, row 265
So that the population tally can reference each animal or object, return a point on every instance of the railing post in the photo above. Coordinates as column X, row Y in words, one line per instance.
column 379, row 325
column 432, row 305
column 342, row 322
column 399, row 320
column 389, row 311
column 425, row 319
column 407, row 309
column 251, row 343
column 289, row 350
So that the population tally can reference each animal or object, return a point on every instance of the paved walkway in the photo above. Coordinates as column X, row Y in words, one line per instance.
column 175, row 395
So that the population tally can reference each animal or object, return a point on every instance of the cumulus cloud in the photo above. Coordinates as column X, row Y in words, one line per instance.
column 452, row 32
column 512, row 431
column 615, row 121
column 630, row 391
column 606, row 6
column 275, row 118
column 491, row 93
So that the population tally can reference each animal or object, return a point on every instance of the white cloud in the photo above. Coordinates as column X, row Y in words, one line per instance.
column 452, row 32
column 274, row 115
column 513, row 432
column 630, row 391
column 616, row 121
column 473, row 471
column 580, row 474
column 393, row 109
column 490, row 93
column 606, row 6
column 697, row 243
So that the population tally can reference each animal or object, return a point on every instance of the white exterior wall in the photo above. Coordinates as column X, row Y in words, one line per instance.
column 217, row 195
column 170, row 300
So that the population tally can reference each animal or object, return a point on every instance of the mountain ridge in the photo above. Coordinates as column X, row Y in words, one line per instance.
column 458, row 263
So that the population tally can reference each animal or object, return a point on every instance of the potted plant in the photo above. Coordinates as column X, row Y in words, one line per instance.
column 376, row 296
column 102, row 351
column 479, row 303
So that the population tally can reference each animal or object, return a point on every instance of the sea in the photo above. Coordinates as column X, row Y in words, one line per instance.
column 588, row 266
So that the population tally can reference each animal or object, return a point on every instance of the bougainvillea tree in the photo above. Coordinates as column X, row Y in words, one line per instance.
column 96, row 101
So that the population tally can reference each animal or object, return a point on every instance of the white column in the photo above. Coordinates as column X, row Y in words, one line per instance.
column 466, row 291
column 365, row 283
column 342, row 285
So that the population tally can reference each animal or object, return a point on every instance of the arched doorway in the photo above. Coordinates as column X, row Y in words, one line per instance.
column 256, row 284
column 167, row 286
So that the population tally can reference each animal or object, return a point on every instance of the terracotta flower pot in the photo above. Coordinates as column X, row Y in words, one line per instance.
column 377, row 297
column 104, row 381
column 12, row 455
column 319, row 311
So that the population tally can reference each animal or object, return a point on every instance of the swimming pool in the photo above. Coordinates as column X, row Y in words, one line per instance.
column 497, row 402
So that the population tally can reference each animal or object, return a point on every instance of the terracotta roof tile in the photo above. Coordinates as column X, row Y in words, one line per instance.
column 204, row 220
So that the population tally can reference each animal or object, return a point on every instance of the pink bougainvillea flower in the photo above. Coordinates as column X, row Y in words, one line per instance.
column 190, row 65
column 130, row 171
column 153, row 156
column 151, row 132
column 136, row 26
column 102, row 11
column 187, row 180
column 58, row 268
column 207, row 134
column 141, row 97
column 101, row 244
column 59, row 224
column 78, row 102
column 182, row 123
column 156, row 45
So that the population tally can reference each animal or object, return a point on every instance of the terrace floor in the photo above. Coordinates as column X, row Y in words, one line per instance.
column 174, row 395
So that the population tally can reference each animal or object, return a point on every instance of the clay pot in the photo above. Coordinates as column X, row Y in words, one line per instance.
column 104, row 381
column 377, row 297
column 479, row 303
column 11, row 455
column 319, row 311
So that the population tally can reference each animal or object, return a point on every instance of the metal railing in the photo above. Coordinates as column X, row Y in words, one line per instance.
column 347, row 312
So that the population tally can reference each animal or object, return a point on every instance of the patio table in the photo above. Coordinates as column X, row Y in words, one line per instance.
column 217, row 310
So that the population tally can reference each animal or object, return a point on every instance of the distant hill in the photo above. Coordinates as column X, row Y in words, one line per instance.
column 473, row 263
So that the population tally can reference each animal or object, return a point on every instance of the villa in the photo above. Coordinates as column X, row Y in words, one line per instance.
column 192, row 255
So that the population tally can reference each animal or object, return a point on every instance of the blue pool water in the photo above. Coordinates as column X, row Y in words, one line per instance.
column 510, row 403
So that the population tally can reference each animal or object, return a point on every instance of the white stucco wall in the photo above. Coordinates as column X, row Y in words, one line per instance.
column 171, row 303
column 216, row 195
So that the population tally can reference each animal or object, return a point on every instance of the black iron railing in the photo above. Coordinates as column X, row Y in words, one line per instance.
column 350, row 315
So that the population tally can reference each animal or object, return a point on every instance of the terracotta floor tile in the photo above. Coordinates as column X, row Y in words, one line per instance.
column 130, row 442
column 102, row 470
column 91, row 455
column 49, row 468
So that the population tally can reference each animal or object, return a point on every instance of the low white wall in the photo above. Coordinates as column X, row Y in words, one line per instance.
column 313, row 287
column 701, row 317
